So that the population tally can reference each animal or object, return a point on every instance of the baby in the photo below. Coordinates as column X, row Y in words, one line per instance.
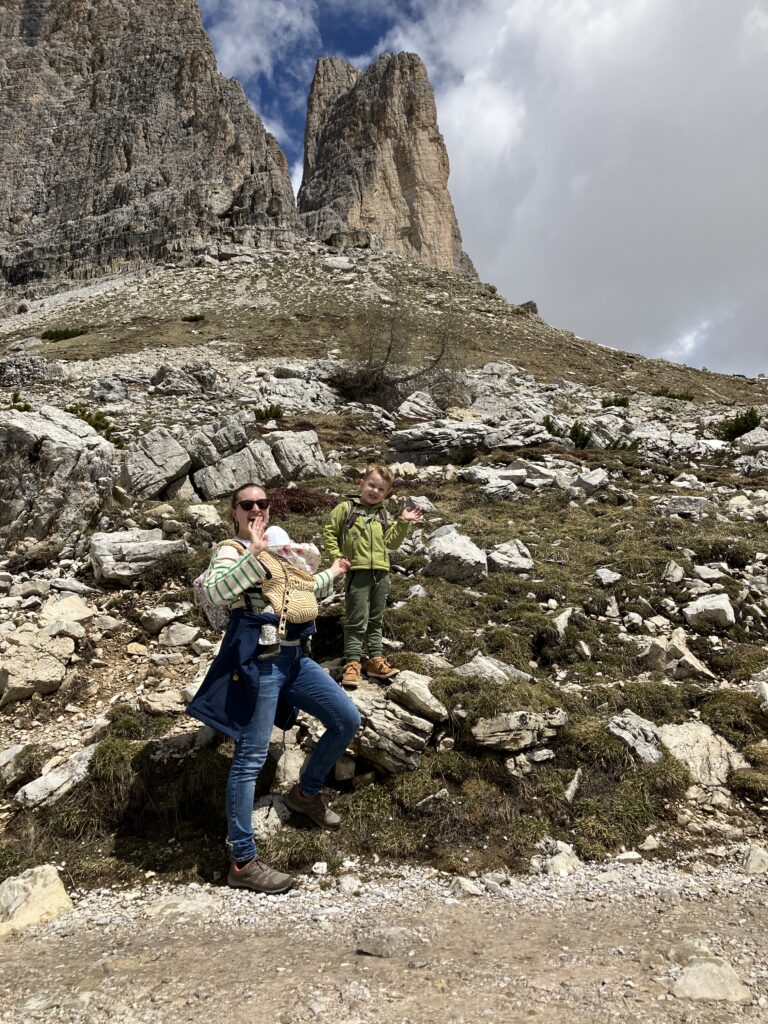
column 303, row 556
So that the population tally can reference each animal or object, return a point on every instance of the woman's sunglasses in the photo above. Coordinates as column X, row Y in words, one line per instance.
column 260, row 503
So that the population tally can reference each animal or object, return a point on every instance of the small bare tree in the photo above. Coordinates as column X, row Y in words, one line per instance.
column 400, row 354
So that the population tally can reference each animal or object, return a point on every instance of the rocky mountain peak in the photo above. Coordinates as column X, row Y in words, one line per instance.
column 375, row 160
column 122, row 142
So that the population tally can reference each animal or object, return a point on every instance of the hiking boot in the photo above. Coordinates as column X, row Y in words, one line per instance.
column 313, row 807
column 379, row 668
column 350, row 677
column 259, row 877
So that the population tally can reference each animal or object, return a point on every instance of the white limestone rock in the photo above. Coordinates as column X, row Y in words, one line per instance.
column 125, row 555
column 491, row 670
column 709, row 757
column 411, row 690
column 516, row 731
column 455, row 558
column 52, row 787
column 714, row 609
column 638, row 733
column 32, row 898
column 512, row 556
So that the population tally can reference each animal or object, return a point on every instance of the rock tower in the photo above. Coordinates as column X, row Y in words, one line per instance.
column 121, row 142
column 375, row 161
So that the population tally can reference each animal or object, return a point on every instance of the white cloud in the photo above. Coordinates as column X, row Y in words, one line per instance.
column 606, row 161
column 252, row 36
column 608, row 157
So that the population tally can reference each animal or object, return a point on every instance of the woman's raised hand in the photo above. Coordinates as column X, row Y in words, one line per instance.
column 339, row 567
column 257, row 540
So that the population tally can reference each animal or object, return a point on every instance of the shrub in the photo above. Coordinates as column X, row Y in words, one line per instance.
column 580, row 435
column 193, row 318
column 129, row 724
column 64, row 333
column 269, row 412
column 101, row 423
column 17, row 404
column 741, row 423
column 615, row 400
column 298, row 500
column 677, row 396
column 735, row 715
column 735, row 553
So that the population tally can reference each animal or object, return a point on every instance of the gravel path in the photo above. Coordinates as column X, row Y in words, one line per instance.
column 598, row 945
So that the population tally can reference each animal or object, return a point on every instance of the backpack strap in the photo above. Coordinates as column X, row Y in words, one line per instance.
column 354, row 511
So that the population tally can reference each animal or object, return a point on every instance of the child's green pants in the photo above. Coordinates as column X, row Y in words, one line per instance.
column 367, row 591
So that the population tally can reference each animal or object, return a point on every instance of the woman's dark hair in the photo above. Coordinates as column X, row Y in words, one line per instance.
column 244, row 487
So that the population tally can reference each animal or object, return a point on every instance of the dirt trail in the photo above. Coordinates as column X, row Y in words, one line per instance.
column 576, row 960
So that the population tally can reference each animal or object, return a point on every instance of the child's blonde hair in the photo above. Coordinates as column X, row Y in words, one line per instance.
column 383, row 471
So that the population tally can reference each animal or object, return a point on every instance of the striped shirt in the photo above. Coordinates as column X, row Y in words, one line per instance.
column 232, row 573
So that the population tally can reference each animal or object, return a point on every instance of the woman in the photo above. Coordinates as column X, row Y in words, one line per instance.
column 250, row 683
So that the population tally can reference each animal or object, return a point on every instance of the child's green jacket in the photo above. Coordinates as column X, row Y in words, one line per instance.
column 365, row 542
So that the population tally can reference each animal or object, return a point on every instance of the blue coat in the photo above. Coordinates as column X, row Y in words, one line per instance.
column 227, row 696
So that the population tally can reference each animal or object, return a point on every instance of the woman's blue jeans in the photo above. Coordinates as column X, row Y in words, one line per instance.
column 305, row 685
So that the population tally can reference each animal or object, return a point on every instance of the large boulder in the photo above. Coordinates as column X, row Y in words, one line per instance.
column 709, row 757
column 57, row 472
column 34, row 897
column 438, row 442
column 411, row 690
column 712, row 609
column 512, row 556
column 254, row 463
column 298, row 454
column 155, row 461
column 125, row 555
column 455, row 558
column 754, row 441
column 392, row 736
column 35, row 662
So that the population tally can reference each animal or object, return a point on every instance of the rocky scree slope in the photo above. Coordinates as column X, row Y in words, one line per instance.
column 122, row 143
column 582, row 631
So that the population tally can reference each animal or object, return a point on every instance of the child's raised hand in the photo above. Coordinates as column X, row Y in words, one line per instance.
column 340, row 567
column 412, row 515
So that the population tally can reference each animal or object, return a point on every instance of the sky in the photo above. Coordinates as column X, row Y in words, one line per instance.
column 609, row 158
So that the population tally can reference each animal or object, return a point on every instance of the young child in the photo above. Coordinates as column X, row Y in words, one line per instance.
column 359, row 530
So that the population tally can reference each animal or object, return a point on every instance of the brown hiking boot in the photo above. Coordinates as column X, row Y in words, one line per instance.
column 379, row 668
column 313, row 807
column 259, row 877
column 350, row 677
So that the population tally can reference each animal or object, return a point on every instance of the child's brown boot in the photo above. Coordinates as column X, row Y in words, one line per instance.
column 350, row 677
column 379, row 668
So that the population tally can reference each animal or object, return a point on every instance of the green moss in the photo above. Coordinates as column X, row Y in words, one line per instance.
column 734, row 552
column 483, row 700
column 757, row 755
column 588, row 742
column 736, row 716
column 749, row 783
column 128, row 723
column 609, row 814
column 660, row 701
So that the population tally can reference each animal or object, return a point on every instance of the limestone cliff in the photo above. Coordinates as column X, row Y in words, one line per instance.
column 374, row 160
column 121, row 142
